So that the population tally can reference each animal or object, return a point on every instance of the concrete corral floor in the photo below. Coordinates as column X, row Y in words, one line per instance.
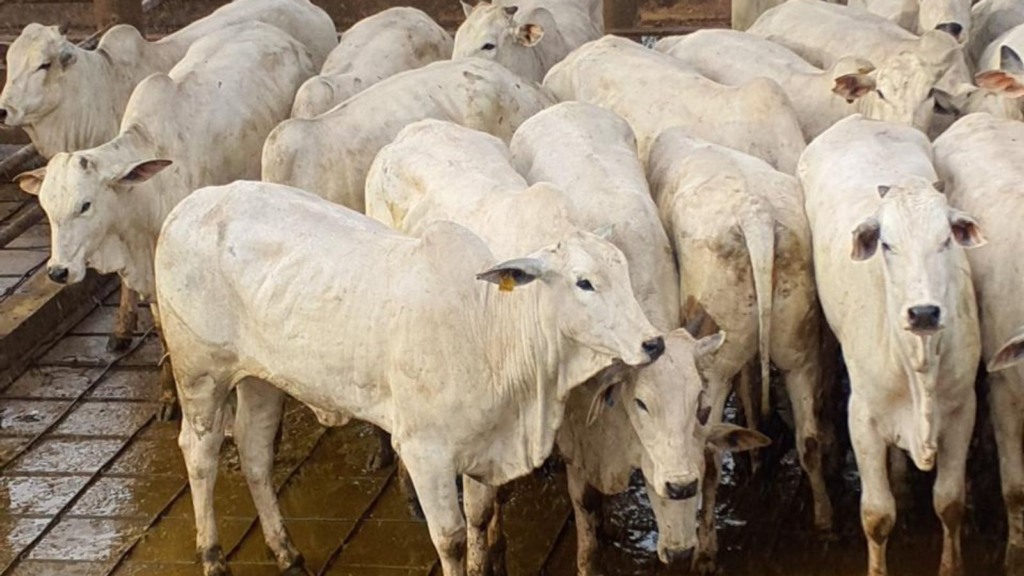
column 91, row 485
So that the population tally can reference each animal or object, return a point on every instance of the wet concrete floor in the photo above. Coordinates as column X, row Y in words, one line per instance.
column 91, row 484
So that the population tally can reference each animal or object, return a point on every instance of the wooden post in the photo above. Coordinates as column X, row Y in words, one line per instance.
column 110, row 12
column 619, row 14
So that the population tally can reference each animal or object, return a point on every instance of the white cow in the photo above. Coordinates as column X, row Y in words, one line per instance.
column 375, row 48
column 654, row 92
column 820, row 97
column 744, row 252
column 895, row 286
column 990, row 19
column 330, row 154
column 822, row 33
column 981, row 161
column 528, row 36
column 70, row 99
column 267, row 289
column 441, row 171
column 918, row 16
column 202, row 123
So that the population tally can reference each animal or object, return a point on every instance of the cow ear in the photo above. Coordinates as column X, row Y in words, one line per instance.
column 529, row 34
column 1000, row 82
column 63, row 28
column 66, row 57
column 945, row 103
column 865, row 239
column 142, row 172
column 966, row 231
column 608, row 392
column 512, row 273
column 853, row 86
column 706, row 348
column 467, row 8
column 732, row 438
column 1010, row 354
column 31, row 181
column 1009, row 61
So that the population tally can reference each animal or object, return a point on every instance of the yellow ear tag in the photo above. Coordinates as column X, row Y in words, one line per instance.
column 507, row 283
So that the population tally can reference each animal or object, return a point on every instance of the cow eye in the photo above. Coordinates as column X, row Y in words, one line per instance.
column 44, row 66
column 584, row 284
column 880, row 94
column 640, row 404
column 488, row 46
column 85, row 207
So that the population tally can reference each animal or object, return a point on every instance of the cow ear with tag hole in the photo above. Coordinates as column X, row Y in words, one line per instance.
column 513, row 273
column 1010, row 354
column 31, row 181
column 142, row 172
column 966, row 231
column 865, row 239
column 529, row 34
column 732, row 438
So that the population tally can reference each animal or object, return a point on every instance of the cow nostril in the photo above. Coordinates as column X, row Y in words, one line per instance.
column 952, row 28
column 654, row 347
column 58, row 274
column 679, row 556
column 678, row 491
column 924, row 317
column 3, row 115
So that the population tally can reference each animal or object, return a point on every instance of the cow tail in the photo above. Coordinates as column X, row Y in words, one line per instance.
column 758, row 228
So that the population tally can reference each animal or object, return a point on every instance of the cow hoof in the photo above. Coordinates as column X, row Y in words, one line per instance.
column 214, row 563
column 296, row 570
column 1014, row 560
column 704, row 564
column 168, row 411
column 118, row 343
column 380, row 460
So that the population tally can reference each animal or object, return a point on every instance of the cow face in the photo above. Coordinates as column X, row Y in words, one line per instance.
column 918, row 235
column 491, row 32
column 900, row 90
column 589, row 293
column 667, row 406
column 952, row 17
column 36, row 62
column 83, row 198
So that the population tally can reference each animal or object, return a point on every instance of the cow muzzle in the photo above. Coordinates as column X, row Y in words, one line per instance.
column 58, row 274
column 925, row 319
column 678, row 556
column 954, row 29
column 681, row 490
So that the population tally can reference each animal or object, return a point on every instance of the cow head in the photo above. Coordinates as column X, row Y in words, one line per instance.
column 917, row 233
column 902, row 88
column 667, row 406
column 589, row 293
column 494, row 32
column 83, row 198
column 36, row 62
column 951, row 17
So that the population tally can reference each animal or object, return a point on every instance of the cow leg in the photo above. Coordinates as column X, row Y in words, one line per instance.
column 200, row 441
column 257, row 417
column 705, row 561
column 435, row 484
column 801, row 385
column 950, row 491
column 877, row 505
column 485, row 541
column 745, row 382
column 126, row 321
column 586, row 506
column 1006, row 409
column 168, row 394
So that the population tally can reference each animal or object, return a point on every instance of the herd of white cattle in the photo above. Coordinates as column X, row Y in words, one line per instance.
column 568, row 239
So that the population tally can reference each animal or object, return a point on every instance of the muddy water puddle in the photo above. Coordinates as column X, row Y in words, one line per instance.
column 92, row 485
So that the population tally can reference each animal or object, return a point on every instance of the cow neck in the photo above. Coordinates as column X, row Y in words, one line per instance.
column 68, row 127
column 533, row 365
